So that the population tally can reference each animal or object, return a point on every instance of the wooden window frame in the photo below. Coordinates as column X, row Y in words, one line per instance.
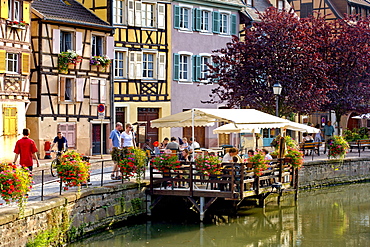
column 224, row 28
column 63, row 44
column 146, row 20
column 95, row 46
column 101, row 85
column 185, row 71
column 12, row 12
column 206, row 26
column 117, row 12
column 69, row 131
column 146, row 62
column 62, row 89
column 15, row 61
column 123, row 61
column 182, row 18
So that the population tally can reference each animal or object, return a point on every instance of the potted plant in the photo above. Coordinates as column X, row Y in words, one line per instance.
column 102, row 61
column 165, row 162
column 15, row 183
column 132, row 161
column 338, row 147
column 208, row 164
column 17, row 24
column 67, row 58
column 73, row 170
column 259, row 163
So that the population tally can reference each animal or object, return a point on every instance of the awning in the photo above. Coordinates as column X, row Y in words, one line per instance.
column 207, row 117
column 256, row 128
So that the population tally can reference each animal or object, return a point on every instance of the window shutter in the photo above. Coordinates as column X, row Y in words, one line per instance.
column 25, row 63
column 56, row 41
column 110, row 47
column 161, row 66
column 139, row 65
column 2, row 60
column 130, row 13
column 131, row 65
column 198, row 68
column 103, row 91
column 69, row 131
column 176, row 21
column 62, row 89
column 234, row 26
column 80, row 89
column 4, row 9
column 176, row 66
column 26, row 12
column 94, row 91
column 196, row 19
column 216, row 22
column 138, row 14
column 161, row 15
column 79, row 44
column 10, row 121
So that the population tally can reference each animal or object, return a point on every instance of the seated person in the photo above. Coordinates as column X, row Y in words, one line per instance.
column 173, row 145
column 146, row 146
column 185, row 144
column 164, row 143
column 185, row 156
column 307, row 138
column 249, row 154
column 267, row 155
column 228, row 158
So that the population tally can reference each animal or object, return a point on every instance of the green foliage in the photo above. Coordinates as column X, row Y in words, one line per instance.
column 208, row 164
column 67, row 57
column 136, row 204
column 296, row 157
column 356, row 134
column 165, row 162
column 131, row 161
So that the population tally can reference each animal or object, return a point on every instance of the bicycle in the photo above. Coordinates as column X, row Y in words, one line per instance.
column 54, row 164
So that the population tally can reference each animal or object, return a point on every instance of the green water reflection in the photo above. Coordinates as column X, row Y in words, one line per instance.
column 337, row 216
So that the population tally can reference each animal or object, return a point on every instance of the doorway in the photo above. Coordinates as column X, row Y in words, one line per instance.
column 199, row 134
column 96, row 139
column 147, row 115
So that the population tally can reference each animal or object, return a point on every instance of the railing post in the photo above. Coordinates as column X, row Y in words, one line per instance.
column 42, row 184
column 102, row 172
column 241, row 181
column 191, row 178
column 280, row 160
column 60, row 186
column 151, row 179
column 257, row 184
column 232, row 185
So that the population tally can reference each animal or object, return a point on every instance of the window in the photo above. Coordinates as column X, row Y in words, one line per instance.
column 98, row 91
column 204, row 67
column 118, row 12
column 14, row 8
column 147, row 15
column 10, row 121
column 250, row 3
column 307, row 9
column 148, row 65
column 184, row 18
column 224, row 24
column 12, row 62
column 69, row 132
column 66, row 89
column 184, row 67
column 205, row 18
column 65, row 41
column 280, row 5
column 97, row 46
column 119, row 64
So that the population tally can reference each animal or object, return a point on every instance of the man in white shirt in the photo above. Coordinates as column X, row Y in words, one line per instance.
column 193, row 144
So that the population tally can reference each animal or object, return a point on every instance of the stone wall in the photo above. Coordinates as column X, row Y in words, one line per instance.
column 331, row 172
column 80, row 214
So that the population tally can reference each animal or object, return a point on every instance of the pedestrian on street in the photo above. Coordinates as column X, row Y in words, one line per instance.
column 62, row 142
column 128, row 137
column 26, row 149
column 115, row 143
column 328, row 133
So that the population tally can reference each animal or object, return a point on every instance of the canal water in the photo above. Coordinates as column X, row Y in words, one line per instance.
column 335, row 216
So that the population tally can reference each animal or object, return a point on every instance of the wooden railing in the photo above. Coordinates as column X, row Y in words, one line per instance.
column 235, row 180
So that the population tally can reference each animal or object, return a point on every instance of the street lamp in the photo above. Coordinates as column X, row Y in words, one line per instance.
column 277, row 91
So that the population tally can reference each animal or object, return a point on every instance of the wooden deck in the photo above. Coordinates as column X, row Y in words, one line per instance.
column 236, row 182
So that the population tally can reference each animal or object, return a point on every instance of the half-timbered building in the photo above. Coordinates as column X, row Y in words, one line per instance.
column 199, row 27
column 141, row 75
column 15, row 50
column 65, row 94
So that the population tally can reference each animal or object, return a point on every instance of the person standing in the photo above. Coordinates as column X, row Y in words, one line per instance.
column 328, row 133
column 62, row 142
column 127, row 137
column 115, row 143
column 26, row 149
column 318, row 137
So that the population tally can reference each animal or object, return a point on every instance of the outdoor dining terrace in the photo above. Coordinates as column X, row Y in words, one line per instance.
column 235, row 181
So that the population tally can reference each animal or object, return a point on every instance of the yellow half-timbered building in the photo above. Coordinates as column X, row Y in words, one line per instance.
column 65, row 94
column 141, row 85
column 15, row 50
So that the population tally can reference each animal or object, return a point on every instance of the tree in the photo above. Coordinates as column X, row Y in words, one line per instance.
column 281, row 48
column 348, row 58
